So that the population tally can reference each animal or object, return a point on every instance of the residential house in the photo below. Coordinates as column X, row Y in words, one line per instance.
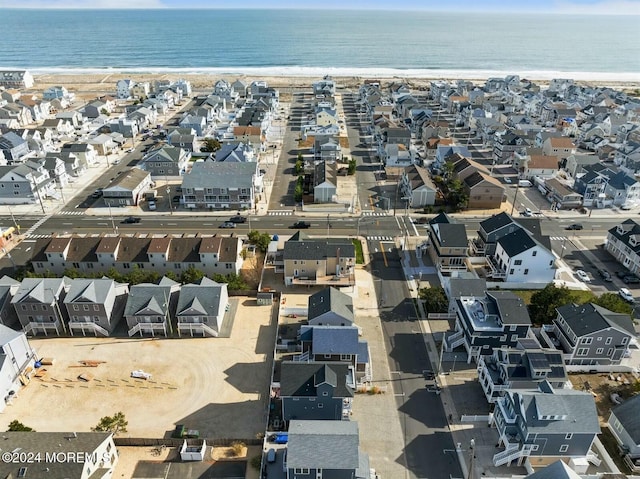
column 25, row 183
column 96, row 108
column 59, row 127
column 561, row 196
column 325, row 182
column 325, row 449
column 336, row 343
column 16, row 79
column 624, row 424
column 316, row 390
column 180, row 139
column 10, row 96
column 327, row 148
column 520, row 258
column 124, row 89
column 591, row 185
column 140, row 90
column 17, row 112
column 37, row 304
column 330, row 307
column 75, row 118
column 94, row 305
column 16, row 358
column 127, row 189
column 239, row 152
column 197, row 123
column 240, row 88
column 8, row 287
column 165, row 162
column 506, row 144
column 489, row 231
column 484, row 191
column 248, row 134
column 561, row 147
column 448, row 244
column 622, row 188
column 92, row 254
column 520, row 368
column 57, row 93
column 85, row 152
column 149, row 306
column 13, row 147
column 445, row 152
column 39, row 109
column 531, row 166
column 95, row 453
column 548, row 424
column 75, row 166
column 128, row 127
column 103, row 144
column 576, row 164
column 220, row 185
column 589, row 335
column 494, row 320
column 396, row 155
column 623, row 242
column 319, row 261
column 417, row 185
column 56, row 168
column 556, row 470
column 201, row 308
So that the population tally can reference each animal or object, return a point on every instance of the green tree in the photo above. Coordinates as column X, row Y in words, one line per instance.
column 299, row 189
column 234, row 282
column 614, row 303
column 543, row 305
column 210, row 145
column 114, row 424
column 448, row 170
column 16, row 425
column 191, row 275
column 299, row 167
column 261, row 240
column 300, row 157
column 352, row 166
column 435, row 299
column 457, row 196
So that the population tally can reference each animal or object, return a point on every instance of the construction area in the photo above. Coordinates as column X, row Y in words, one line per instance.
column 213, row 385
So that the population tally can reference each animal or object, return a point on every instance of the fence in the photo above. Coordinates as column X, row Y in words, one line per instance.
column 175, row 442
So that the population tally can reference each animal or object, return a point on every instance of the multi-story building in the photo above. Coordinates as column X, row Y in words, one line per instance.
column 448, row 245
column 37, row 304
column 623, row 242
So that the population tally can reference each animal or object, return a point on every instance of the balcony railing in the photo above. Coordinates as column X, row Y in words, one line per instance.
column 495, row 271
column 477, row 247
column 343, row 280
column 87, row 326
column 453, row 340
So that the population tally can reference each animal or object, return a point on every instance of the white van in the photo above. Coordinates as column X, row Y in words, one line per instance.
column 524, row 183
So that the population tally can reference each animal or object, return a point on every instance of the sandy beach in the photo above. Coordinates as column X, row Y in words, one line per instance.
column 90, row 85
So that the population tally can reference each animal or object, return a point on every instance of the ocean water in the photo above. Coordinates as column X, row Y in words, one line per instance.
column 317, row 42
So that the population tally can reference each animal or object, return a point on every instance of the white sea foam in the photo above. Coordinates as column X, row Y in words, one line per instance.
column 294, row 71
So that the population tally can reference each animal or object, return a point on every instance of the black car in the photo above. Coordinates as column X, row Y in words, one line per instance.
column 574, row 226
column 605, row 275
column 301, row 225
column 238, row 219
column 631, row 279
column 131, row 220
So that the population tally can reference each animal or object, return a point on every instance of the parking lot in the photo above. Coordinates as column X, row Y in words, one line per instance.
column 213, row 385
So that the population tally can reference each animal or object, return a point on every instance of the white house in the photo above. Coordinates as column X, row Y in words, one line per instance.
column 16, row 355
column 520, row 258
column 124, row 88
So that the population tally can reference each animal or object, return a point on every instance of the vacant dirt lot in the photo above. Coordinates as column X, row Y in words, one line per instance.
column 215, row 385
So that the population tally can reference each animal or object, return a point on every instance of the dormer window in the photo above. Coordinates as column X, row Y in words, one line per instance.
column 633, row 240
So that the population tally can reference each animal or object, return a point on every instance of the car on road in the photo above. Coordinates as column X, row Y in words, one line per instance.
column 583, row 276
column 131, row 220
column 527, row 212
column 507, row 179
column 301, row 225
column 176, row 199
column 631, row 279
column 605, row 275
column 228, row 224
column 116, row 162
column 152, row 205
column 574, row 226
column 96, row 194
column 130, row 150
column 625, row 294
column 237, row 219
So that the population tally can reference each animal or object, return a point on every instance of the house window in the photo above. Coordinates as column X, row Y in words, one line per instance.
column 526, row 271
column 301, row 470
column 617, row 425
column 96, row 307
column 513, row 327
column 568, row 436
column 599, row 350
column 320, row 405
column 534, row 447
column 24, row 307
column 564, row 448
column 582, row 352
column 517, row 262
column 610, row 352
column 586, row 340
column 325, row 393
column 76, row 307
column 345, row 357
column 511, row 271
column 534, row 253
column 85, row 307
column 625, row 340
column 608, row 341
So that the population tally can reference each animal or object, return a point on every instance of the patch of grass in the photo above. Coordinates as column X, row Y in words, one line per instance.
column 579, row 297
column 359, row 254
column 611, row 445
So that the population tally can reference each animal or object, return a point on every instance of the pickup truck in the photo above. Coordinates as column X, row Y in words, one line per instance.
column 301, row 225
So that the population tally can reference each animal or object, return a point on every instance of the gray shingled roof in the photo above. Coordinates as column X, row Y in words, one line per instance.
column 511, row 308
column 627, row 414
column 317, row 248
column 323, row 445
column 152, row 299
column 335, row 340
column 516, row 242
column 200, row 299
column 300, row 378
column 330, row 299
column 452, row 235
column 475, row 287
column 556, row 470
column 84, row 290
column 588, row 318
column 496, row 222
column 215, row 174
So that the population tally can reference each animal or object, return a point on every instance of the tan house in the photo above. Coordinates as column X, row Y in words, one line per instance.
column 485, row 192
column 248, row 134
column 319, row 261
column 560, row 146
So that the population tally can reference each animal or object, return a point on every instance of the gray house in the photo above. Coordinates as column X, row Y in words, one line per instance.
column 220, row 185
column 8, row 287
column 324, row 182
column 330, row 307
column 325, row 450
column 316, row 390
column 416, row 184
column 13, row 146
column 37, row 304
column 16, row 355
column 555, row 470
column 520, row 368
column 624, row 423
column 93, row 306
column 166, row 161
column 148, row 307
column 127, row 189
column 549, row 423
column 589, row 334
column 201, row 308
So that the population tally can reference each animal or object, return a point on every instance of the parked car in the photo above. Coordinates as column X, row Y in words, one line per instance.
column 605, row 275
column 271, row 455
column 228, row 224
column 583, row 276
column 631, row 279
column 622, row 274
column 152, row 205
column 279, row 438
column 527, row 212
column 574, row 226
column 238, row 219
column 131, row 220
column 301, row 225
column 625, row 294
column 507, row 179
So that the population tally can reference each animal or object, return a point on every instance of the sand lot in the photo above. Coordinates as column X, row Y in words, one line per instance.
column 215, row 385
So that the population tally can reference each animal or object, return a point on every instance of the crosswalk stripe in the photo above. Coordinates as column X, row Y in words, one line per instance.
column 280, row 213
column 558, row 238
column 380, row 238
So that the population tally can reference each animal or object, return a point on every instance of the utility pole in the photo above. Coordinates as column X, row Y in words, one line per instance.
column 513, row 205
column 472, row 453
column 113, row 225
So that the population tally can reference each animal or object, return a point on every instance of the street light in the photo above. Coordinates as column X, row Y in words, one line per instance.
column 472, row 453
